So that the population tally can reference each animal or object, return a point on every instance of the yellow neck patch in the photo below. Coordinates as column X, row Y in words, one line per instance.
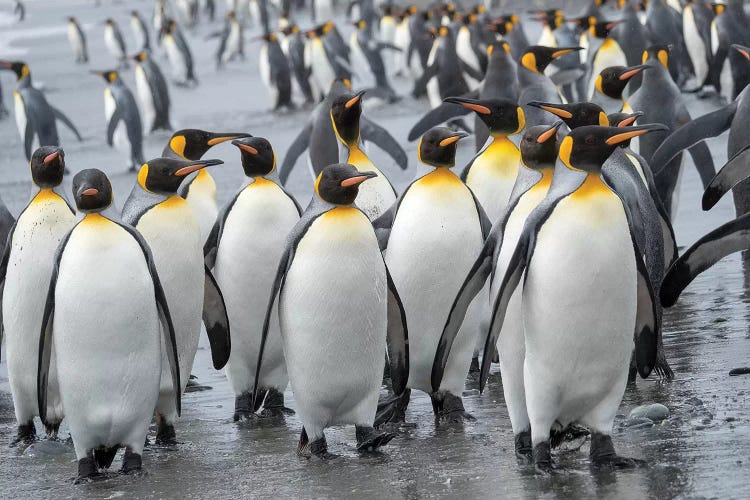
column 94, row 219
column 592, row 186
column 173, row 201
column 260, row 182
column 46, row 196
column 440, row 178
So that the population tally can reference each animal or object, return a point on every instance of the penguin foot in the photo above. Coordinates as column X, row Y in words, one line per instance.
column 303, row 448
column 449, row 408
column 87, row 470
column 165, row 434
column 194, row 386
column 273, row 405
column 603, row 456
column 131, row 462
column 542, row 456
column 243, row 407
column 573, row 433
column 52, row 430
column 368, row 439
column 523, row 446
column 474, row 370
column 25, row 433
column 393, row 409
column 319, row 449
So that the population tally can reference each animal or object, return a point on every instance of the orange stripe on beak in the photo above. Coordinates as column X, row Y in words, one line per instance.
column 354, row 181
column 628, row 121
column 630, row 74
column 557, row 111
column 90, row 192
column 744, row 53
column 248, row 149
column 351, row 102
column 547, row 135
column 449, row 140
column 219, row 140
column 50, row 157
column 189, row 169
column 561, row 53
column 482, row 110
column 617, row 139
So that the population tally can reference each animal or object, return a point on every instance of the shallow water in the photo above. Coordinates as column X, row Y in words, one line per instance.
column 701, row 450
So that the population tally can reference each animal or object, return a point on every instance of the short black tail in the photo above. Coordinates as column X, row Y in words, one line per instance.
column 104, row 456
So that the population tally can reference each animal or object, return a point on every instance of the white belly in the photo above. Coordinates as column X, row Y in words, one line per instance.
column 107, row 339
column 322, row 72
column 433, row 243
column 246, row 262
column 202, row 199
column 609, row 54
column 264, row 68
column 176, row 59
column 75, row 41
column 547, row 38
column 233, row 43
column 145, row 97
column 111, row 43
column 20, row 112
column 433, row 89
column 694, row 44
column 38, row 233
column 174, row 237
column 138, row 34
column 363, row 75
column 323, row 10
column 333, row 310
column 467, row 55
column 579, row 303
column 376, row 195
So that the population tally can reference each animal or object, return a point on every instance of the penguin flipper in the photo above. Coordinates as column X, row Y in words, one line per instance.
column 731, row 174
column 691, row 133
column 216, row 320
column 734, row 236
column 568, row 76
column 112, row 125
column 28, row 139
column 438, row 115
column 704, row 162
column 299, row 146
column 59, row 115
column 372, row 132
column 398, row 338
column 647, row 324
column 3, row 274
column 471, row 71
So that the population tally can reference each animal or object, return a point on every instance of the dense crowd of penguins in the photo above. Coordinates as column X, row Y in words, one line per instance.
column 552, row 252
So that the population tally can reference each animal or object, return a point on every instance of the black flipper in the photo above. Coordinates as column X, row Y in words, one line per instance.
column 398, row 338
column 704, row 162
column 647, row 324
column 294, row 151
column 216, row 320
column 691, row 133
column 3, row 273
column 732, row 173
column 28, row 139
column 112, row 125
column 372, row 132
column 734, row 236
column 436, row 116
column 60, row 116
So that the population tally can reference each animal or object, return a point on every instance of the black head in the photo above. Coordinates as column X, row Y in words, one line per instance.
column 501, row 25
column 140, row 56
column 192, row 143
column 257, row 156
column 612, row 81
column 92, row 190
column 657, row 54
column 110, row 22
column 437, row 147
column 537, row 57
column 587, row 148
column 20, row 68
column 269, row 37
column 110, row 76
column 576, row 114
column 339, row 183
column 345, row 112
column 48, row 166
column 553, row 18
column 502, row 116
column 539, row 146
column 164, row 175
column 624, row 120
column 72, row 19
column 602, row 29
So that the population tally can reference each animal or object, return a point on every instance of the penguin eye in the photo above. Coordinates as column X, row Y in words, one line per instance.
column 590, row 140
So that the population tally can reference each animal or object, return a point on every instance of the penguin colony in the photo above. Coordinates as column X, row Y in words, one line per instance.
column 554, row 243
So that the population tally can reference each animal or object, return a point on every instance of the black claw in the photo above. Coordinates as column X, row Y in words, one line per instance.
column 273, row 405
column 87, row 470
column 523, row 445
column 368, row 439
column 449, row 408
column 319, row 448
column 603, row 455
column 165, row 433
column 542, row 456
column 26, row 434
column 243, row 408
column 393, row 410
column 131, row 462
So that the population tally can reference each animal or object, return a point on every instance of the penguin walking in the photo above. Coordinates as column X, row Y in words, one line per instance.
column 402, row 40
column 322, row 61
column 293, row 46
column 443, row 75
column 153, row 92
column 274, row 71
column 387, row 26
column 35, row 117
column 575, row 321
column 124, row 128
column 437, row 219
column 106, row 339
column 696, row 29
column 610, row 84
column 538, row 153
column 243, row 250
column 140, row 32
column 115, row 43
column 77, row 40
column 24, row 272
column 378, row 194
column 335, row 360
column 178, row 54
column 232, row 43
column 319, row 138
column 198, row 189
column 171, row 230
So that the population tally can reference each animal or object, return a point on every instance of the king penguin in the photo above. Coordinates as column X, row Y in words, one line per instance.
column 124, row 127
column 436, row 220
column 153, row 92
column 140, row 32
column 171, row 229
column 610, row 84
column 335, row 360
column 199, row 189
column 378, row 194
column 77, row 40
column 35, row 117
column 178, row 53
column 243, row 250
column 115, row 43
column 106, row 339
column 24, row 271
column 275, row 72
column 538, row 155
column 564, row 314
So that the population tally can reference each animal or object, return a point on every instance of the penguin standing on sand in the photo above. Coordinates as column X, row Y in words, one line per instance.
column 25, row 272
column 564, row 316
column 538, row 153
column 77, row 40
column 140, row 32
column 153, row 92
column 178, row 54
column 436, row 220
column 378, row 194
column 106, row 339
column 243, row 250
column 199, row 189
column 319, row 139
column 332, row 263
column 274, row 71
column 124, row 128
column 171, row 229
column 35, row 117
column 115, row 43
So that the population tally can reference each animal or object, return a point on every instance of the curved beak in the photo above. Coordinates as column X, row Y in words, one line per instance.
column 47, row 159
column 619, row 135
column 358, row 179
column 89, row 192
column 354, row 100
column 245, row 147
column 452, row 139
column 632, row 71
column 630, row 120
column 219, row 137
column 555, row 109
column 565, row 51
column 469, row 104
column 195, row 166
column 742, row 50
column 550, row 133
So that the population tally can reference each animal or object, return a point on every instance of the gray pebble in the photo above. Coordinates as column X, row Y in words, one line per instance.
column 655, row 412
